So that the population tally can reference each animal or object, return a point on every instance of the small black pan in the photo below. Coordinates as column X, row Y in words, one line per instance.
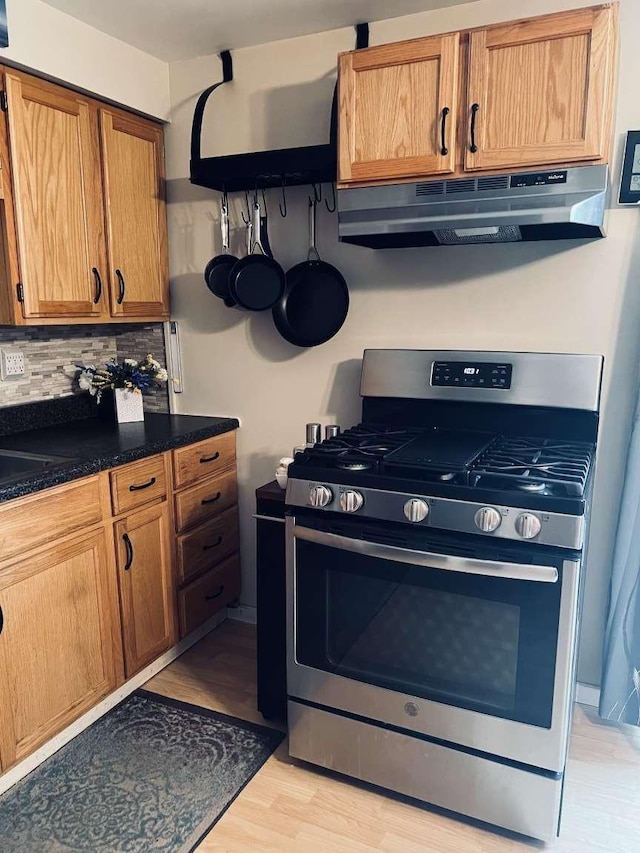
column 216, row 273
column 257, row 281
column 316, row 299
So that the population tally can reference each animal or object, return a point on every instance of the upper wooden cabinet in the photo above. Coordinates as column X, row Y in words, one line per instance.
column 398, row 106
column 539, row 90
column 530, row 93
column 132, row 153
column 89, row 241
column 58, row 199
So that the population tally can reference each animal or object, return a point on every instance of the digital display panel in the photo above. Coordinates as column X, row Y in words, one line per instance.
column 464, row 374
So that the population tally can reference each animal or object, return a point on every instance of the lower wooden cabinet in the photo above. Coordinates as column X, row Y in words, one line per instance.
column 203, row 598
column 80, row 615
column 59, row 641
column 145, row 580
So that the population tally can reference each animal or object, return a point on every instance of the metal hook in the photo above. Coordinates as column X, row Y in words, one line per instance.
column 264, row 201
column 331, row 209
column 246, row 219
column 225, row 198
column 317, row 192
column 283, row 204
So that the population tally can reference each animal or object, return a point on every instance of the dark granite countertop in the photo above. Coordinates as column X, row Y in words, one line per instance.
column 92, row 444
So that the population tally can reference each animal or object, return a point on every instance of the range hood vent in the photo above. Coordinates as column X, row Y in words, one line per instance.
column 556, row 205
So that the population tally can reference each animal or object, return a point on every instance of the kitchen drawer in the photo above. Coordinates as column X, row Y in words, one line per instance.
column 200, row 503
column 48, row 516
column 138, row 483
column 204, row 597
column 203, row 459
column 207, row 545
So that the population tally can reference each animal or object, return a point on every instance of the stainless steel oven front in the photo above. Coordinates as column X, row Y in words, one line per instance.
column 469, row 641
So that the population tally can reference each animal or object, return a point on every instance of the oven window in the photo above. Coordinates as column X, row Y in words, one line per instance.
column 472, row 641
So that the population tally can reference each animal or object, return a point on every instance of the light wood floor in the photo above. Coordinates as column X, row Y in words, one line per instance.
column 290, row 808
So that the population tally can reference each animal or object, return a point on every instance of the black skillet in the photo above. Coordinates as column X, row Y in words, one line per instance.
column 316, row 298
column 257, row 281
column 216, row 273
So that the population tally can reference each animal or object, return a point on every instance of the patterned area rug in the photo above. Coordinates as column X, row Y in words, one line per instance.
column 153, row 774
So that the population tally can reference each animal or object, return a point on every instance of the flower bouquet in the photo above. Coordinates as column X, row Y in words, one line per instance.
column 128, row 380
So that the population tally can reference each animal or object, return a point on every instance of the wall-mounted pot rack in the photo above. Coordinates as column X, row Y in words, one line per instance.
column 310, row 164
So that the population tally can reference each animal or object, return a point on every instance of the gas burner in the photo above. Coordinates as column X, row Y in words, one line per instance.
column 345, row 465
column 534, row 465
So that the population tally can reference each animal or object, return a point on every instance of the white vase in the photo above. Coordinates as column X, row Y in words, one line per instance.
column 129, row 406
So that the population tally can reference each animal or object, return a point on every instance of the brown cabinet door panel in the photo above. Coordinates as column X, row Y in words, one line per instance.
column 57, row 642
column 207, row 545
column 147, row 594
column 201, row 502
column 203, row 598
column 54, row 149
column 542, row 89
column 132, row 152
column 393, row 100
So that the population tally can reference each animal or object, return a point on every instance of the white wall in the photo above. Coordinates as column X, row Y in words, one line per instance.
column 59, row 46
column 564, row 296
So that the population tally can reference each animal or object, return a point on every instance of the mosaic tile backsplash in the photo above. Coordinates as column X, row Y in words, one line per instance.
column 51, row 353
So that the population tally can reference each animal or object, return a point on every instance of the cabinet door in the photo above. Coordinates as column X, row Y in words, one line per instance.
column 58, row 642
column 53, row 138
column 147, row 594
column 398, row 110
column 540, row 90
column 133, row 160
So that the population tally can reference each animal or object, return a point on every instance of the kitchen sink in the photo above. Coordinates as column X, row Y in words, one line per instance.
column 15, row 464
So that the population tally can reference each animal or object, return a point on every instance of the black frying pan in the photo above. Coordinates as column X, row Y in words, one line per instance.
column 216, row 273
column 316, row 298
column 257, row 281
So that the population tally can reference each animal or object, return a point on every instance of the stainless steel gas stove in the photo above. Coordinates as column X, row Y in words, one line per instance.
column 434, row 562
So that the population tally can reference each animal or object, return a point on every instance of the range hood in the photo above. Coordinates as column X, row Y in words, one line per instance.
column 551, row 205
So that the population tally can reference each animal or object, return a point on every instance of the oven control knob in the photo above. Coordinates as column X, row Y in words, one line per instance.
column 528, row 525
column 351, row 501
column 320, row 496
column 488, row 519
column 416, row 510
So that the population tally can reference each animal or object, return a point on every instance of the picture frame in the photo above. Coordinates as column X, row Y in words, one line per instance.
column 630, row 180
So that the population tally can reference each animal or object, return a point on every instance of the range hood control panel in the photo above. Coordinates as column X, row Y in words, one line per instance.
column 463, row 374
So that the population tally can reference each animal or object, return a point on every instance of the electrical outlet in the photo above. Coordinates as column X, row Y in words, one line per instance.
column 11, row 363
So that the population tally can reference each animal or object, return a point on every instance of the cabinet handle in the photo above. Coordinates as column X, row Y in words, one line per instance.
column 135, row 488
column 474, row 112
column 129, row 546
column 443, row 132
column 215, row 544
column 212, row 500
column 121, row 287
column 1, row 620
column 215, row 594
column 98, row 295
column 210, row 458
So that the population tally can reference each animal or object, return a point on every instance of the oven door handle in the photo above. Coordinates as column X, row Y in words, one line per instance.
column 444, row 562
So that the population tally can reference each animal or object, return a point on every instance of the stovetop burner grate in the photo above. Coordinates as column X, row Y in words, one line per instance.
column 456, row 457
column 542, row 466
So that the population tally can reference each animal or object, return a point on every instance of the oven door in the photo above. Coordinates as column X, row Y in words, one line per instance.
column 468, row 641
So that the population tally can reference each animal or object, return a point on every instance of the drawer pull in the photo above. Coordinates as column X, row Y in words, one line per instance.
column 135, row 488
column 213, row 458
column 215, row 544
column 215, row 594
column 129, row 546
column 212, row 500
